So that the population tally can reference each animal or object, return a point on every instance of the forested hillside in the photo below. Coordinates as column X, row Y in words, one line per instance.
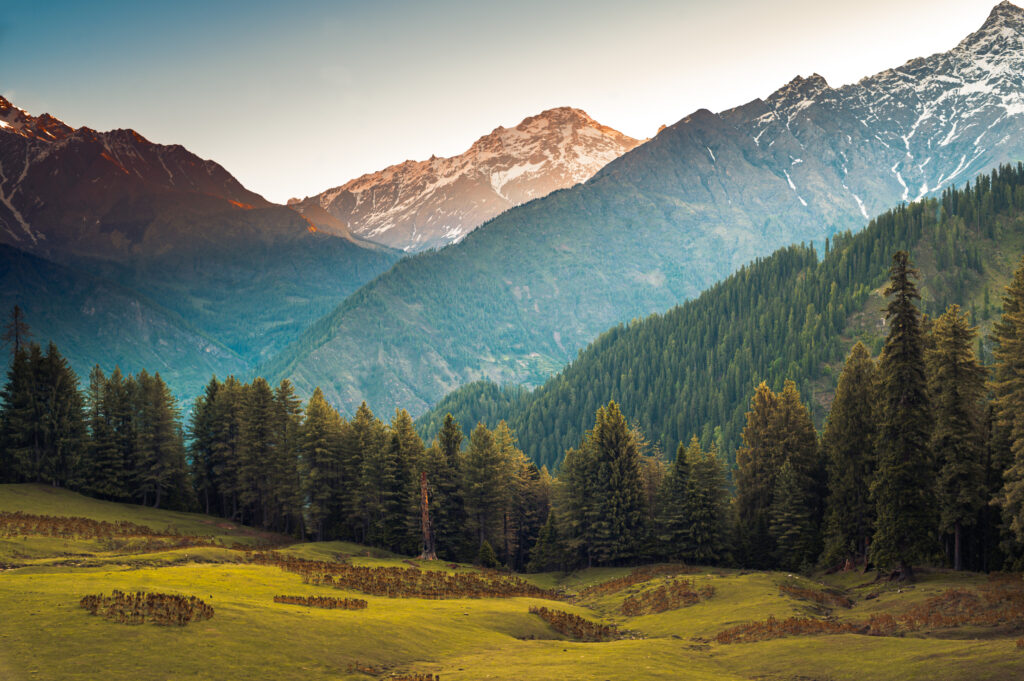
column 788, row 316
column 521, row 295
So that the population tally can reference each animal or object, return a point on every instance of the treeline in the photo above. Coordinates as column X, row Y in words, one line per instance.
column 122, row 440
column 920, row 452
column 691, row 370
column 921, row 461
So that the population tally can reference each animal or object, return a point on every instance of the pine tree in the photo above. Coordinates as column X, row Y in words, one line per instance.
column 485, row 489
column 103, row 470
column 547, row 553
column 903, row 486
column 17, row 332
column 160, row 468
column 956, row 390
column 791, row 520
column 363, row 460
column 321, row 465
column 22, row 417
column 203, row 450
column 849, row 444
column 285, row 478
column 708, row 505
column 618, row 512
column 757, row 465
column 256, row 452
column 1008, row 400
column 444, row 477
column 675, row 521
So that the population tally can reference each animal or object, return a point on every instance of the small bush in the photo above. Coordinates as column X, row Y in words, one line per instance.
column 140, row 607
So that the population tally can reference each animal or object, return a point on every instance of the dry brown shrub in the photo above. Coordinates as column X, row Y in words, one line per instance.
column 576, row 627
column 140, row 607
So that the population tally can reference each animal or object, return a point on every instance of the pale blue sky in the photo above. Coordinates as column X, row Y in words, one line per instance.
column 295, row 98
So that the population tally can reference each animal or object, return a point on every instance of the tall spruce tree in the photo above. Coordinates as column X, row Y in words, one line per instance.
column 160, row 468
column 444, row 480
column 903, row 487
column 675, row 515
column 1008, row 402
column 485, row 489
column 791, row 519
column 285, row 476
column 708, row 506
column 849, row 444
column 321, row 465
column 757, row 465
column 618, row 513
column 957, row 390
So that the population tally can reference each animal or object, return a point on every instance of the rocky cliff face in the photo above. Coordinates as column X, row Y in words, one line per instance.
column 418, row 205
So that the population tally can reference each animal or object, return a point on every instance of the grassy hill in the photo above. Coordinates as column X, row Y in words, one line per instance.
column 44, row 634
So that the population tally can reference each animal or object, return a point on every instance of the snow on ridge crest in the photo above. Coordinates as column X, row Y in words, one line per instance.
column 416, row 205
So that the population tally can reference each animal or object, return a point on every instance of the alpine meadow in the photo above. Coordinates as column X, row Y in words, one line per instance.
column 736, row 398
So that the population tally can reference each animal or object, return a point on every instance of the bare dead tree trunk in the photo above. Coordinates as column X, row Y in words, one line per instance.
column 428, row 539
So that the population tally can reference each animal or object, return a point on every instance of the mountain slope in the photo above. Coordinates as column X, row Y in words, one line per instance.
column 419, row 205
column 787, row 316
column 177, row 229
column 92, row 320
column 522, row 294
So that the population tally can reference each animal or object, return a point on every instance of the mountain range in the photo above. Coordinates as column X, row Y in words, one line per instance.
column 418, row 205
column 518, row 298
column 165, row 246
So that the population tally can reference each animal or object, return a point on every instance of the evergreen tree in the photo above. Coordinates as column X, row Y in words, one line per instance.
column 23, row 417
column 203, row 450
column 444, row 478
column 708, row 506
column 256, row 453
column 849, row 444
column 321, row 464
column 791, row 520
column 757, row 465
column 160, row 466
column 903, row 486
column 618, row 512
column 675, row 516
column 956, row 390
column 485, row 489
column 363, row 462
column 1008, row 402
column 17, row 333
column 547, row 553
column 285, row 476
column 103, row 467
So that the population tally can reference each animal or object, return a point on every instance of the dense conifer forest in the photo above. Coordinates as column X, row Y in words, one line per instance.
column 920, row 459
column 790, row 316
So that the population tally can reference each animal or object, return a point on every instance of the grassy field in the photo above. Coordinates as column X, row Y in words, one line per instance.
column 44, row 634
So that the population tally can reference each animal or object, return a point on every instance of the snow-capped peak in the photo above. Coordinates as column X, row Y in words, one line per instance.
column 425, row 204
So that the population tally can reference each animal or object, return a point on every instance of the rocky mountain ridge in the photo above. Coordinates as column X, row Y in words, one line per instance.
column 417, row 205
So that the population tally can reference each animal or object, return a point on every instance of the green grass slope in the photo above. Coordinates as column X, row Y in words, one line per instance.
column 44, row 634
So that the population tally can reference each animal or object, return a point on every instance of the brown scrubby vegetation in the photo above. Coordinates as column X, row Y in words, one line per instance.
column 998, row 603
column 637, row 576
column 325, row 602
column 140, row 607
column 824, row 598
column 672, row 595
column 576, row 627
column 396, row 582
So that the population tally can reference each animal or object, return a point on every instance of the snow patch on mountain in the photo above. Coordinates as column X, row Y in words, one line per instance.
column 418, row 205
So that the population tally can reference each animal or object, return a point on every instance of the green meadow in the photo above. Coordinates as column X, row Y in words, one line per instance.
column 44, row 634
